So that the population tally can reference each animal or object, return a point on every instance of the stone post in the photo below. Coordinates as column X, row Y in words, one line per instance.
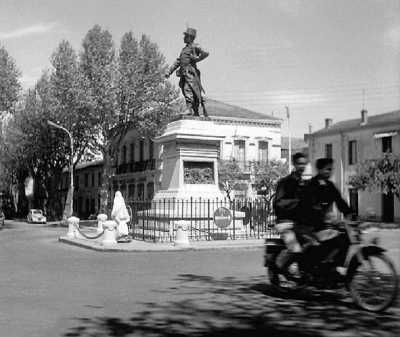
column 73, row 225
column 182, row 238
column 110, row 232
column 101, row 219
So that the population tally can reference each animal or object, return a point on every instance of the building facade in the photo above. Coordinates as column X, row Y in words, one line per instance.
column 351, row 142
column 87, row 183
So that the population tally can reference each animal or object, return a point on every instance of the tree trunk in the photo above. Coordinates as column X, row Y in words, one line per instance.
column 52, row 195
column 105, row 201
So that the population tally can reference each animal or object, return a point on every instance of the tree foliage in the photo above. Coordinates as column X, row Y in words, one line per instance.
column 229, row 174
column 36, row 152
column 127, row 91
column 9, row 84
column 146, row 99
column 71, row 106
column 267, row 175
column 381, row 174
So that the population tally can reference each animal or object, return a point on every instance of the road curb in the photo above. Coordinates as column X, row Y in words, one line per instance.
column 155, row 249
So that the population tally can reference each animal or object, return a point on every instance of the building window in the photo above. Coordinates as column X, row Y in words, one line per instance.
column 86, row 180
column 284, row 153
column 92, row 206
column 239, row 150
column 141, row 150
column 353, row 196
column 132, row 150
column 80, row 205
column 263, row 151
column 352, row 152
column 87, row 207
column 93, row 179
column 99, row 179
column 140, row 192
column 328, row 150
column 131, row 191
column 124, row 154
column 151, row 149
column 150, row 191
column 76, row 184
column 386, row 144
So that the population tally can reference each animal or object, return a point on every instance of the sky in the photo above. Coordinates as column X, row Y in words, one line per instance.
column 320, row 58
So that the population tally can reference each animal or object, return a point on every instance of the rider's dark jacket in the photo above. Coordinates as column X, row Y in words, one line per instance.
column 319, row 197
column 288, row 195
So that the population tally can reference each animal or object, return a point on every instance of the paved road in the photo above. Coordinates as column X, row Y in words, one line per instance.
column 52, row 289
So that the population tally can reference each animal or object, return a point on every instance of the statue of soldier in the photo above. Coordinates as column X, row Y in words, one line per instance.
column 190, row 82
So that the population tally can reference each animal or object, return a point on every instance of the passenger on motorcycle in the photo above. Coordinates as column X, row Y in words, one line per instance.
column 287, row 198
column 314, row 218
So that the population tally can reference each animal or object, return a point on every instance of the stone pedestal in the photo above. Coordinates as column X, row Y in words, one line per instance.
column 101, row 219
column 110, row 233
column 190, row 152
column 73, row 225
column 182, row 239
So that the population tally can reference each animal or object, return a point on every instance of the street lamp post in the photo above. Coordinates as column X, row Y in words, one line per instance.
column 69, row 203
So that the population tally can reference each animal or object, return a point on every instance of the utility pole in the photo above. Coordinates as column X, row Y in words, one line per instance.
column 289, row 139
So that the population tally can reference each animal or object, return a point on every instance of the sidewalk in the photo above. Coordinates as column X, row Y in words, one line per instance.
column 143, row 246
column 148, row 246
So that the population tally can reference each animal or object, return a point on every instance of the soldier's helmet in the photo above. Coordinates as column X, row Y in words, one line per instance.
column 191, row 32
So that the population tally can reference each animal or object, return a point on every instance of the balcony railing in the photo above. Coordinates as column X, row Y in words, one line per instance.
column 138, row 166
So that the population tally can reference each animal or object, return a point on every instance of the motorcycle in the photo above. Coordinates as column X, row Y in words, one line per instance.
column 369, row 275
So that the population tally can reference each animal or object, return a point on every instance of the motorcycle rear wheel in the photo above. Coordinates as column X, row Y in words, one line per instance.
column 374, row 283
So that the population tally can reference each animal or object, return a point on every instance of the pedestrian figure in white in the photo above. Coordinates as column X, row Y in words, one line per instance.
column 120, row 214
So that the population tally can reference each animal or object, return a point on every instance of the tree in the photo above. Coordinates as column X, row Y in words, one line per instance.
column 37, row 152
column 381, row 174
column 266, row 177
column 229, row 174
column 72, row 107
column 146, row 99
column 126, row 92
column 9, row 84
column 98, row 65
column 9, row 91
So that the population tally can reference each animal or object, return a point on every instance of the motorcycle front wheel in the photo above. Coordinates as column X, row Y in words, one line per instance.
column 373, row 284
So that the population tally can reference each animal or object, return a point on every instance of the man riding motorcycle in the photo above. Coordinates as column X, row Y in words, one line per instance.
column 314, row 217
column 287, row 198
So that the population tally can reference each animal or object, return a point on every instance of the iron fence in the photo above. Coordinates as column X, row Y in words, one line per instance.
column 158, row 220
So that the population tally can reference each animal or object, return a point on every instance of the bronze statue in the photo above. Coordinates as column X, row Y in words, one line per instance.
column 190, row 82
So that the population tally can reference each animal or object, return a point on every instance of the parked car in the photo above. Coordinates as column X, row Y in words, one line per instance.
column 36, row 216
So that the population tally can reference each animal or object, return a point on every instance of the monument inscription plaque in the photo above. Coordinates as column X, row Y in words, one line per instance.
column 198, row 172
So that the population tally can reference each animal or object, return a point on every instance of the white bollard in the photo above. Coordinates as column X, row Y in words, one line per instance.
column 182, row 238
column 101, row 219
column 110, row 232
column 73, row 224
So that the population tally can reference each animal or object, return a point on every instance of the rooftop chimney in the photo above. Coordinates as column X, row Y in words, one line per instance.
column 364, row 117
column 328, row 123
